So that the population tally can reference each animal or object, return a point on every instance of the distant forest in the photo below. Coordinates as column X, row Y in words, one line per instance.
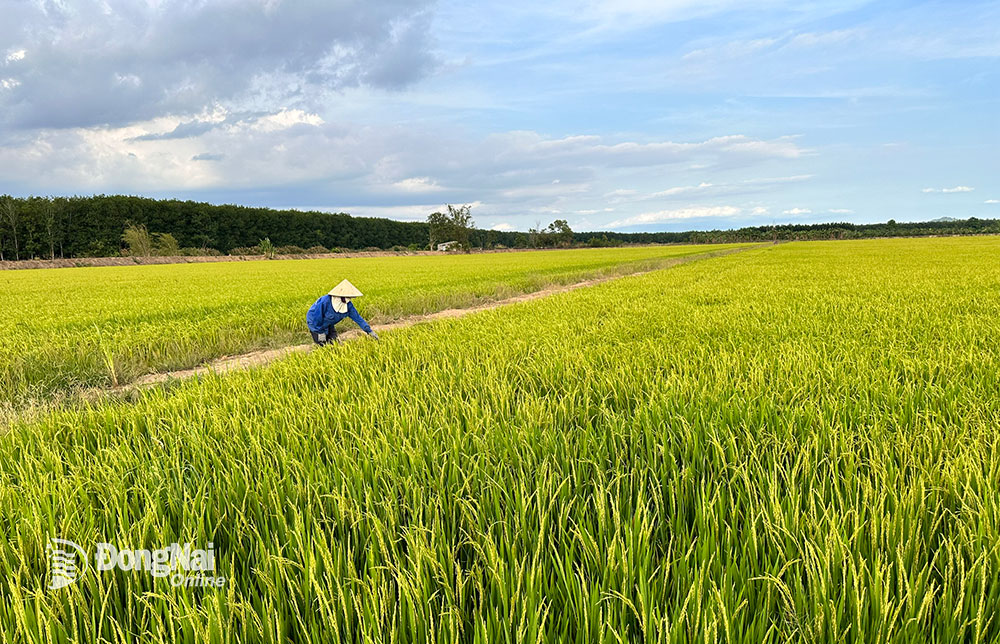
column 39, row 227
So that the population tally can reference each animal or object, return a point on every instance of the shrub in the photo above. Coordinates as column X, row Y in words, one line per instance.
column 138, row 240
column 290, row 250
column 166, row 245
column 317, row 250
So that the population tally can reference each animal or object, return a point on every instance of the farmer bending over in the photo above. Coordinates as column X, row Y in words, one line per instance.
column 332, row 308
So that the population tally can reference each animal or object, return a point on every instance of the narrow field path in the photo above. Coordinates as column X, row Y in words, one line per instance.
column 261, row 357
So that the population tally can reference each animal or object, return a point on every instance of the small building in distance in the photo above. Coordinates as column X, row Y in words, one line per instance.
column 447, row 245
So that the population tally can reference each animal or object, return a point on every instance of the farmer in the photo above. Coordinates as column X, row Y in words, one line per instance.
column 332, row 308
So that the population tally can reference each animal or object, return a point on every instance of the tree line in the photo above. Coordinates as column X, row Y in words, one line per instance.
column 803, row 232
column 40, row 227
column 61, row 227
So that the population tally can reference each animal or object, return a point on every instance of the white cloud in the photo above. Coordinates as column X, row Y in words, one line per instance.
column 759, row 210
column 676, row 214
column 284, row 119
column 841, row 211
column 815, row 39
column 502, row 226
column 415, row 212
column 589, row 149
column 417, row 184
column 736, row 49
column 294, row 156
column 626, row 14
column 705, row 189
column 797, row 211
column 795, row 177
column 9, row 83
column 188, row 55
column 670, row 192
column 947, row 190
column 992, row 201
column 130, row 80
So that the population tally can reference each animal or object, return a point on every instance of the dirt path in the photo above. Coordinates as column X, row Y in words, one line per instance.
column 256, row 358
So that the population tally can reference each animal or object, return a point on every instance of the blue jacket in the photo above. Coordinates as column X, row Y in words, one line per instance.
column 321, row 316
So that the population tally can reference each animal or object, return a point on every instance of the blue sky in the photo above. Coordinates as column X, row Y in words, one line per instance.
column 631, row 115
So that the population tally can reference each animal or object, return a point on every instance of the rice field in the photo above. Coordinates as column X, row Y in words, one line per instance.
column 99, row 327
column 797, row 443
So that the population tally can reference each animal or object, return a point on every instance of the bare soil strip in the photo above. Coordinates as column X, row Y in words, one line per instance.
column 257, row 358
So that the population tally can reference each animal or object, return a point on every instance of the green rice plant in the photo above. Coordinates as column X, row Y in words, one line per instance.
column 794, row 444
column 99, row 327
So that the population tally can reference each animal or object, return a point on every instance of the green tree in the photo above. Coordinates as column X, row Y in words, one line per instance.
column 535, row 235
column 138, row 240
column 455, row 226
column 53, row 226
column 440, row 228
column 10, row 214
column 560, row 232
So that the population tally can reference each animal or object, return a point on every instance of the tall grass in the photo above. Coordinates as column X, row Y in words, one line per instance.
column 797, row 444
column 65, row 328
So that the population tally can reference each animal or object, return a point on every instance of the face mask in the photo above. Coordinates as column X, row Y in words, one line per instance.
column 340, row 304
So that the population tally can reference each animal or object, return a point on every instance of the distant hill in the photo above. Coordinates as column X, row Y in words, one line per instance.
column 944, row 219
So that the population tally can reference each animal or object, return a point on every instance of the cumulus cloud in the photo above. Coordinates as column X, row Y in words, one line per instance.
column 947, row 190
column 662, row 216
column 118, row 61
column 797, row 211
column 503, row 226
column 293, row 156
column 992, row 201
column 297, row 146
column 841, row 211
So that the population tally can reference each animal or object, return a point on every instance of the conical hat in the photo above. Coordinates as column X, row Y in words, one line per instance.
column 346, row 289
